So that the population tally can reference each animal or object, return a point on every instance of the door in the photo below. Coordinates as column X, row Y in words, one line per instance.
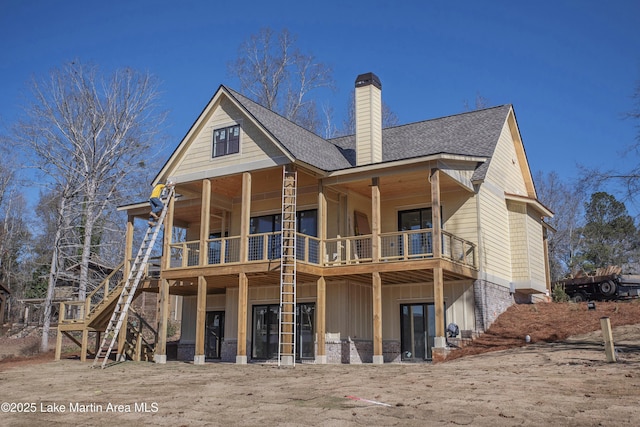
column 306, row 331
column 214, row 334
column 417, row 323
column 416, row 219
column 265, row 331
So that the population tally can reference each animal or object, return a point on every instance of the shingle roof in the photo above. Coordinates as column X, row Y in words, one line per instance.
column 473, row 133
column 303, row 145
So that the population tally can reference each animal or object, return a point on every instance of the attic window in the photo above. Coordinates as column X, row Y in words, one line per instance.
column 226, row 141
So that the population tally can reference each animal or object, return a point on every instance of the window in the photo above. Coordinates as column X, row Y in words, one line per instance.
column 307, row 223
column 226, row 141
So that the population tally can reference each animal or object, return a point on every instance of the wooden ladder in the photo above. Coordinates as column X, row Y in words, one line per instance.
column 287, row 314
column 130, row 286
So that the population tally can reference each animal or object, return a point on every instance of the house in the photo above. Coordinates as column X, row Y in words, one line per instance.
column 359, row 249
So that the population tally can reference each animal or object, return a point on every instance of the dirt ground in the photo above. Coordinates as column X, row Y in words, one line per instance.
column 560, row 378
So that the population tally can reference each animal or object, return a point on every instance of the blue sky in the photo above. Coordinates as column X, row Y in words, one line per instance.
column 570, row 68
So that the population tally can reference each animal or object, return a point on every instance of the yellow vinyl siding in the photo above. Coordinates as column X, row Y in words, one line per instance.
column 536, row 248
column 458, row 298
column 254, row 146
column 495, row 234
column 459, row 214
column 504, row 170
column 520, row 255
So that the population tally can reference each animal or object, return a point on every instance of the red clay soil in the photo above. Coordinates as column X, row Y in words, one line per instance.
column 548, row 322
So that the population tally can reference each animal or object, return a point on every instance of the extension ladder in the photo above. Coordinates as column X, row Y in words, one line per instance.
column 129, row 289
column 287, row 311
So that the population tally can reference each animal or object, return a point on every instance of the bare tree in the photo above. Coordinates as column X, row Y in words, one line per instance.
column 480, row 103
column 566, row 201
column 626, row 182
column 389, row 118
column 277, row 75
column 88, row 134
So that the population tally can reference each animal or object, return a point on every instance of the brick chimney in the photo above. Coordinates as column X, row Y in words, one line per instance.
column 368, row 119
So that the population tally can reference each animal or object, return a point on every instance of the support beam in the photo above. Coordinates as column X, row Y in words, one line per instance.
column 435, row 213
column 85, row 343
column 321, row 327
column 168, row 235
column 245, row 217
column 205, row 219
column 243, row 294
column 375, row 220
column 438, row 302
column 122, row 339
column 128, row 246
column 160, row 355
column 58, row 345
column 201, row 316
column 378, row 357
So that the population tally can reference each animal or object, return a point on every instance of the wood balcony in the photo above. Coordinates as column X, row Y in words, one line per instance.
column 398, row 246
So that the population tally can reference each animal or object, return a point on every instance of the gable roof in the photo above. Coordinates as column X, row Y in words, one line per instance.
column 473, row 134
column 468, row 134
column 302, row 144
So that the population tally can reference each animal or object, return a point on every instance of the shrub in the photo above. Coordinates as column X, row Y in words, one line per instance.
column 558, row 294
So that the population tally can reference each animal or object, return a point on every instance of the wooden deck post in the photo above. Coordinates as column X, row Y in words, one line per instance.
column 160, row 353
column 375, row 220
column 438, row 277
column 378, row 357
column 245, row 217
column 168, row 236
column 201, row 317
column 205, row 218
column 321, row 327
column 58, row 342
column 321, row 284
column 128, row 247
column 609, row 349
column 85, row 342
column 435, row 213
column 440, row 340
column 243, row 292
column 122, row 339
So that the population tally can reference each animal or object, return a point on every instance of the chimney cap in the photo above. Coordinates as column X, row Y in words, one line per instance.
column 368, row 79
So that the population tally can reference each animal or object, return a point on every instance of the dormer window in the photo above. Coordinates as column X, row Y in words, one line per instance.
column 226, row 141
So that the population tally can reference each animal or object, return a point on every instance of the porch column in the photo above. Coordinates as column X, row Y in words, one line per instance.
column 128, row 254
column 168, row 235
column 58, row 344
column 378, row 357
column 160, row 355
column 321, row 328
column 243, row 291
column 122, row 339
column 85, row 344
column 245, row 217
column 435, row 213
column 375, row 220
column 205, row 218
column 321, row 284
column 128, row 246
column 201, row 314
column 438, row 300
column 438, row 280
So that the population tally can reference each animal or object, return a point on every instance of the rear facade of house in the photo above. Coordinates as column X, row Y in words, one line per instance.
column 372, row 243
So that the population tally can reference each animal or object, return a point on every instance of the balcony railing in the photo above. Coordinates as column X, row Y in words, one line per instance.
column 396, row 246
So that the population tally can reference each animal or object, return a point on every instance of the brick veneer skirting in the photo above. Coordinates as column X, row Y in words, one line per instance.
column 490, row 301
